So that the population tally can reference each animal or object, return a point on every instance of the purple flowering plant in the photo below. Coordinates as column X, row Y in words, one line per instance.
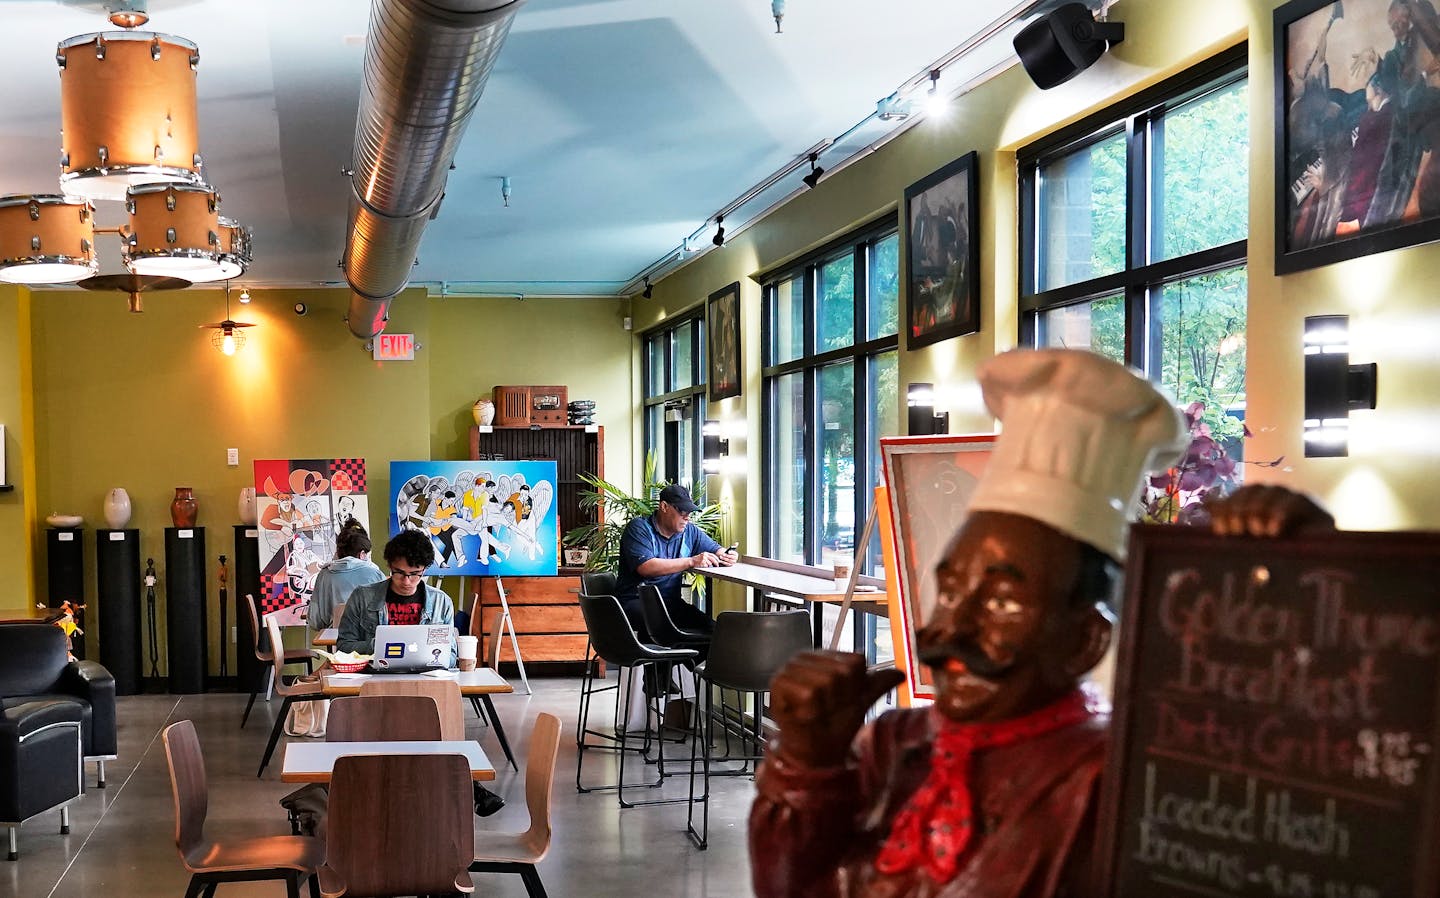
column 1206, row 471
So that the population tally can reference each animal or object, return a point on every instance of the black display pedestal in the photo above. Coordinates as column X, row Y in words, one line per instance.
column 185, row 608
column 249, row 672
column 117, row 590
column 65, row 558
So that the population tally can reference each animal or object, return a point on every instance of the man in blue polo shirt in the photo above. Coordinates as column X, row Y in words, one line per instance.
column 659, row 549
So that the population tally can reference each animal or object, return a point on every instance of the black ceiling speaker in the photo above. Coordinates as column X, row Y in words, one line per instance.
column 1063, row 43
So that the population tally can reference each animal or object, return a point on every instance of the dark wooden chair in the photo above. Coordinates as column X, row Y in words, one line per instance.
column 267, row 657
column 291, row 858
column 293, row 692
column 399, row 825
column 383, row 718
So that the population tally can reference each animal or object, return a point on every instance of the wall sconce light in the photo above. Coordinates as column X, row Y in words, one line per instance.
column 920, row 400
column 815, row 172
column 713, row 446
column 1333, row 386
column 719, row 238
column 1063, row 43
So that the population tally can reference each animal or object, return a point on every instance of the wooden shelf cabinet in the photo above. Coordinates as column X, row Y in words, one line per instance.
column 545, row 610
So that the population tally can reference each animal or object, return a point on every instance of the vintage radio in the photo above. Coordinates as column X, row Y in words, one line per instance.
column 538, row 406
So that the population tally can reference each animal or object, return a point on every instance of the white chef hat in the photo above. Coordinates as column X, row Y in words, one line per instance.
column 1079, row 432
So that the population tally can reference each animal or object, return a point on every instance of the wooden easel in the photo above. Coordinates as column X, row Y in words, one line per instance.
column 503, row 624
column 855, row 564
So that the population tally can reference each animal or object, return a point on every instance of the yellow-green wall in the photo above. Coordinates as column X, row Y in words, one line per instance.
column 17, row 506
column 479, row 343
column 1389, row 481
column 144, row 402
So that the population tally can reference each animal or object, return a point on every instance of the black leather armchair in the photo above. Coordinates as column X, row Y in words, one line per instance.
column 35, row 667
column 40, row 760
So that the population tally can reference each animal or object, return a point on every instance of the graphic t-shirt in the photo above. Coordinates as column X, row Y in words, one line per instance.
column 403, row 610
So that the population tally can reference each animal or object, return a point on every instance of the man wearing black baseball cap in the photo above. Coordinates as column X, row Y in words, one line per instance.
column 659, row 549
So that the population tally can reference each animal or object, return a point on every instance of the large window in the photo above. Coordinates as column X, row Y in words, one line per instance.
column 1133, row 239
column 675, row 397
column 830, row 371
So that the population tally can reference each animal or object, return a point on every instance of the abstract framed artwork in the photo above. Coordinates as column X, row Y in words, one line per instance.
column 942, row 258
column 723, row 338
column 301, row 504
column 1357, row 123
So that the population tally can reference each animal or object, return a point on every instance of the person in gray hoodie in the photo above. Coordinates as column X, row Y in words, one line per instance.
column 350, row 568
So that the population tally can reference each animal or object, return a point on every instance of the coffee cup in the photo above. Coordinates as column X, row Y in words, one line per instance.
column 842, row 571
column 469, row 647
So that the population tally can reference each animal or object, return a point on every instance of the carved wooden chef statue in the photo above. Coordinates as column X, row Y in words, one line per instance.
column 990, row 791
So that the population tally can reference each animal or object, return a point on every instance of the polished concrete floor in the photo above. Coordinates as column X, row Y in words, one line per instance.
column 121, row 841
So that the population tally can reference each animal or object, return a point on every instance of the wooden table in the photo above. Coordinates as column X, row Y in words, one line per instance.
column 478, row 685
column 815, row 586
column 314, row 762
column 326, row 637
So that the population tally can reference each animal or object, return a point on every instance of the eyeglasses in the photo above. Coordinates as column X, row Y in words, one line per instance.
column 683, row 514
column 400, row 574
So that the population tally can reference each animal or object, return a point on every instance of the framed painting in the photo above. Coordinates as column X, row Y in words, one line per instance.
column 301, row 505
column 929, row 481
column 1355, row 120
column 484, row 518
column 723, row 336
column 942, row 257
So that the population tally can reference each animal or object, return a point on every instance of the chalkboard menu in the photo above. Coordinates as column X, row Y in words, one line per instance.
column 1276, row 718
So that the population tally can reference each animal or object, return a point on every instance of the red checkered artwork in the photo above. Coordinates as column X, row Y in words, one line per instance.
column 301, row 505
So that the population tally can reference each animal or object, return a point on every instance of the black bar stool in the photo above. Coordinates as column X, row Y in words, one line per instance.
column 616, row 644
column 747, row 650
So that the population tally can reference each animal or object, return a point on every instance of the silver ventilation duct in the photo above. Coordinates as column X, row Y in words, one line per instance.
column 426, row 63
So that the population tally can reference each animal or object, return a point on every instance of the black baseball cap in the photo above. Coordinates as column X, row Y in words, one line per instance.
column 678, row 497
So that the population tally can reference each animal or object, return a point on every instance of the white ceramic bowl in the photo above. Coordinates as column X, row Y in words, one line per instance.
column 64, row 520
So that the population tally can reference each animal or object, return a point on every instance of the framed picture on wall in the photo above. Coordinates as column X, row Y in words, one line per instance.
column 942, row 258
column 723, row 351
column 1357, row 121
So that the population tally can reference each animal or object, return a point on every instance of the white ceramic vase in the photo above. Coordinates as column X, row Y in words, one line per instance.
column 484, row 412
column 247, row 506
column 117, row 508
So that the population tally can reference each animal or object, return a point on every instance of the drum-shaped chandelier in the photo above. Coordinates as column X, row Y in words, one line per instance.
column 129, row 132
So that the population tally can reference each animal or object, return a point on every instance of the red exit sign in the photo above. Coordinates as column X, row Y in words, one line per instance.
column 395, row 348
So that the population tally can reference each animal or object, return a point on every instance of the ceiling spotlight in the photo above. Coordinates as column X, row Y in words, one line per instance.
column 649, row 290
column 719, row 238
column 300, row 309
column 128, row 13
column 935, row 104
column 244, row 295
column 815, row 172
column 892, row 108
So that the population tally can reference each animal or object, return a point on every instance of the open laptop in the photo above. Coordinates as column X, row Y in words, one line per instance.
column 412, row 649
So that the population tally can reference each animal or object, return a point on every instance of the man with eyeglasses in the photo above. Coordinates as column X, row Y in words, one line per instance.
column 398, row 600
column 658, row 550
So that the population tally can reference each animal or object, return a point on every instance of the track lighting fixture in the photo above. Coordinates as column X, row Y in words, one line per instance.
column 815, row 172
column 935, row 104
column 505, row 191
column 649, row 291
column 719, row 238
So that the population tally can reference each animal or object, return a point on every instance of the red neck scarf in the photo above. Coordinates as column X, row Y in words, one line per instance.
column 934, row 828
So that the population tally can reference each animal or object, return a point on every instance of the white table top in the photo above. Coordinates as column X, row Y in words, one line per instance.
column 480, row 681
column 314, row 762
column 809, row 584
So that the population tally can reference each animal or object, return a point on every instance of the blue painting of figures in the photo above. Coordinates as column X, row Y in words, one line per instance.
column 485, row 518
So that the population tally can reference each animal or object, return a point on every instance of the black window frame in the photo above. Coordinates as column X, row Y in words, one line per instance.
column 668, row 468
column 860, row 243
column 1141, row 120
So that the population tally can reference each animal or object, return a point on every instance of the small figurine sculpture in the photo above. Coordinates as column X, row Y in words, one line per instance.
column 990, row 791
column 67, row 623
